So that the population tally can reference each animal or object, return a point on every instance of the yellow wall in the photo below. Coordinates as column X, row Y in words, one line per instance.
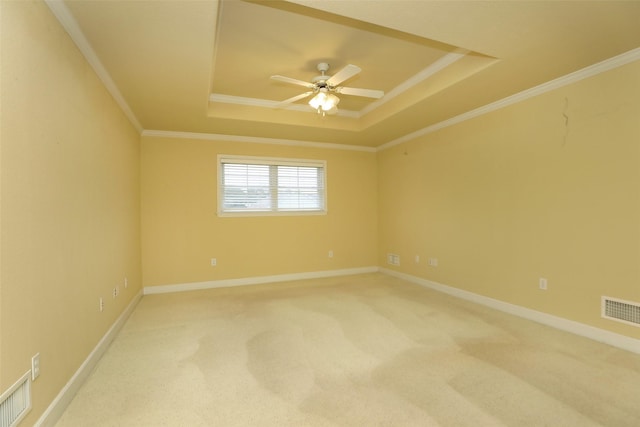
column 70, row 203
column 549, row 187
column 181, row 231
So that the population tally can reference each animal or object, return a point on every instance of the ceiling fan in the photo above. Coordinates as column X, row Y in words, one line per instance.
column 324, row 87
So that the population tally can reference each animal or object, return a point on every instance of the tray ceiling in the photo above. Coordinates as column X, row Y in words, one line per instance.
column 204, row 66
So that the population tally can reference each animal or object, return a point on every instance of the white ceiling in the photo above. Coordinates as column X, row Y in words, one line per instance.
column 204, row 66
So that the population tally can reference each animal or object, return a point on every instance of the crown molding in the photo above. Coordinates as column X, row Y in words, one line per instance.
column 255, row 140
column 64, row 16
column 590, row 71
column 432, row 69
column 265, row 103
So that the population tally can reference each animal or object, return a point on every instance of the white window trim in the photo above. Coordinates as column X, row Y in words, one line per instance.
column 258, row 160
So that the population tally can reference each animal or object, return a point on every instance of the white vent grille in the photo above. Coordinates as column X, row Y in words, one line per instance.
column 15, row 403
column 622, row 311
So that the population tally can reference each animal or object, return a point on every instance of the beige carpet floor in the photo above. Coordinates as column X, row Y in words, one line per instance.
column 367, row 350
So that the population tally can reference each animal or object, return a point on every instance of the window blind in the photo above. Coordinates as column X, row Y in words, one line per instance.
column 253, row 185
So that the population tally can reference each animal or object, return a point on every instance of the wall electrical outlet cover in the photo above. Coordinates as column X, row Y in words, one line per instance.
column 35, row 366
column 543, row 284
column 393, row 259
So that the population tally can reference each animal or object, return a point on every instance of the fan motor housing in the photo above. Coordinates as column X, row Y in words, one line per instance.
column 320, row 81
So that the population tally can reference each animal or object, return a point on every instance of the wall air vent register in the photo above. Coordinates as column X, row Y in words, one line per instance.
column 621, row 311
column 15, row 403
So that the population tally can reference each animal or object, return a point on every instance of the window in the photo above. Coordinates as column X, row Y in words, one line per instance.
column 265, row 186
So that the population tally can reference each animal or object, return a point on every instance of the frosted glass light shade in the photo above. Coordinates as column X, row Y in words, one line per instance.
column 324, row 101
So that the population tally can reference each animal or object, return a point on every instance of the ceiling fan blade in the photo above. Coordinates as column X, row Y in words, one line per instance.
column 344, row 74
column 292, row 81
column 369, row 93
column 293, row 99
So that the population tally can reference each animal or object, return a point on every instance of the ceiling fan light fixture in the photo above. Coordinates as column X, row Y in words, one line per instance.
column 331, row 102
column 324, row 101
column 333, row 111
column 323, row 88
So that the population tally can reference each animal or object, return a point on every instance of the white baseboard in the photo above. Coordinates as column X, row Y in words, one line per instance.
column 55, row 410
column 194, row 286
column 596, row 334
column 62, row 400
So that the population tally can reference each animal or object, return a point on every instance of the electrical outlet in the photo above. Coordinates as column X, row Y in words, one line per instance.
column 542, row 283
column 214, row 262
column 433, row 262
column 116, row 292
column 35, row 366
column 393, row 259
column 330, row 254
column 101, row 305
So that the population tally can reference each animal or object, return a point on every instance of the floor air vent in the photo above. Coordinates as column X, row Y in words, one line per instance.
column 15, row 403
column 621, row 311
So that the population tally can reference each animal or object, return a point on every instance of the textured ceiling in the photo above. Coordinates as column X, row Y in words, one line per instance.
column 205, row 66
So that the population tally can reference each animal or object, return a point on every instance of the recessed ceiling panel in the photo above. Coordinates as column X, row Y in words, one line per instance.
column 257, row 40
column 204, row 66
